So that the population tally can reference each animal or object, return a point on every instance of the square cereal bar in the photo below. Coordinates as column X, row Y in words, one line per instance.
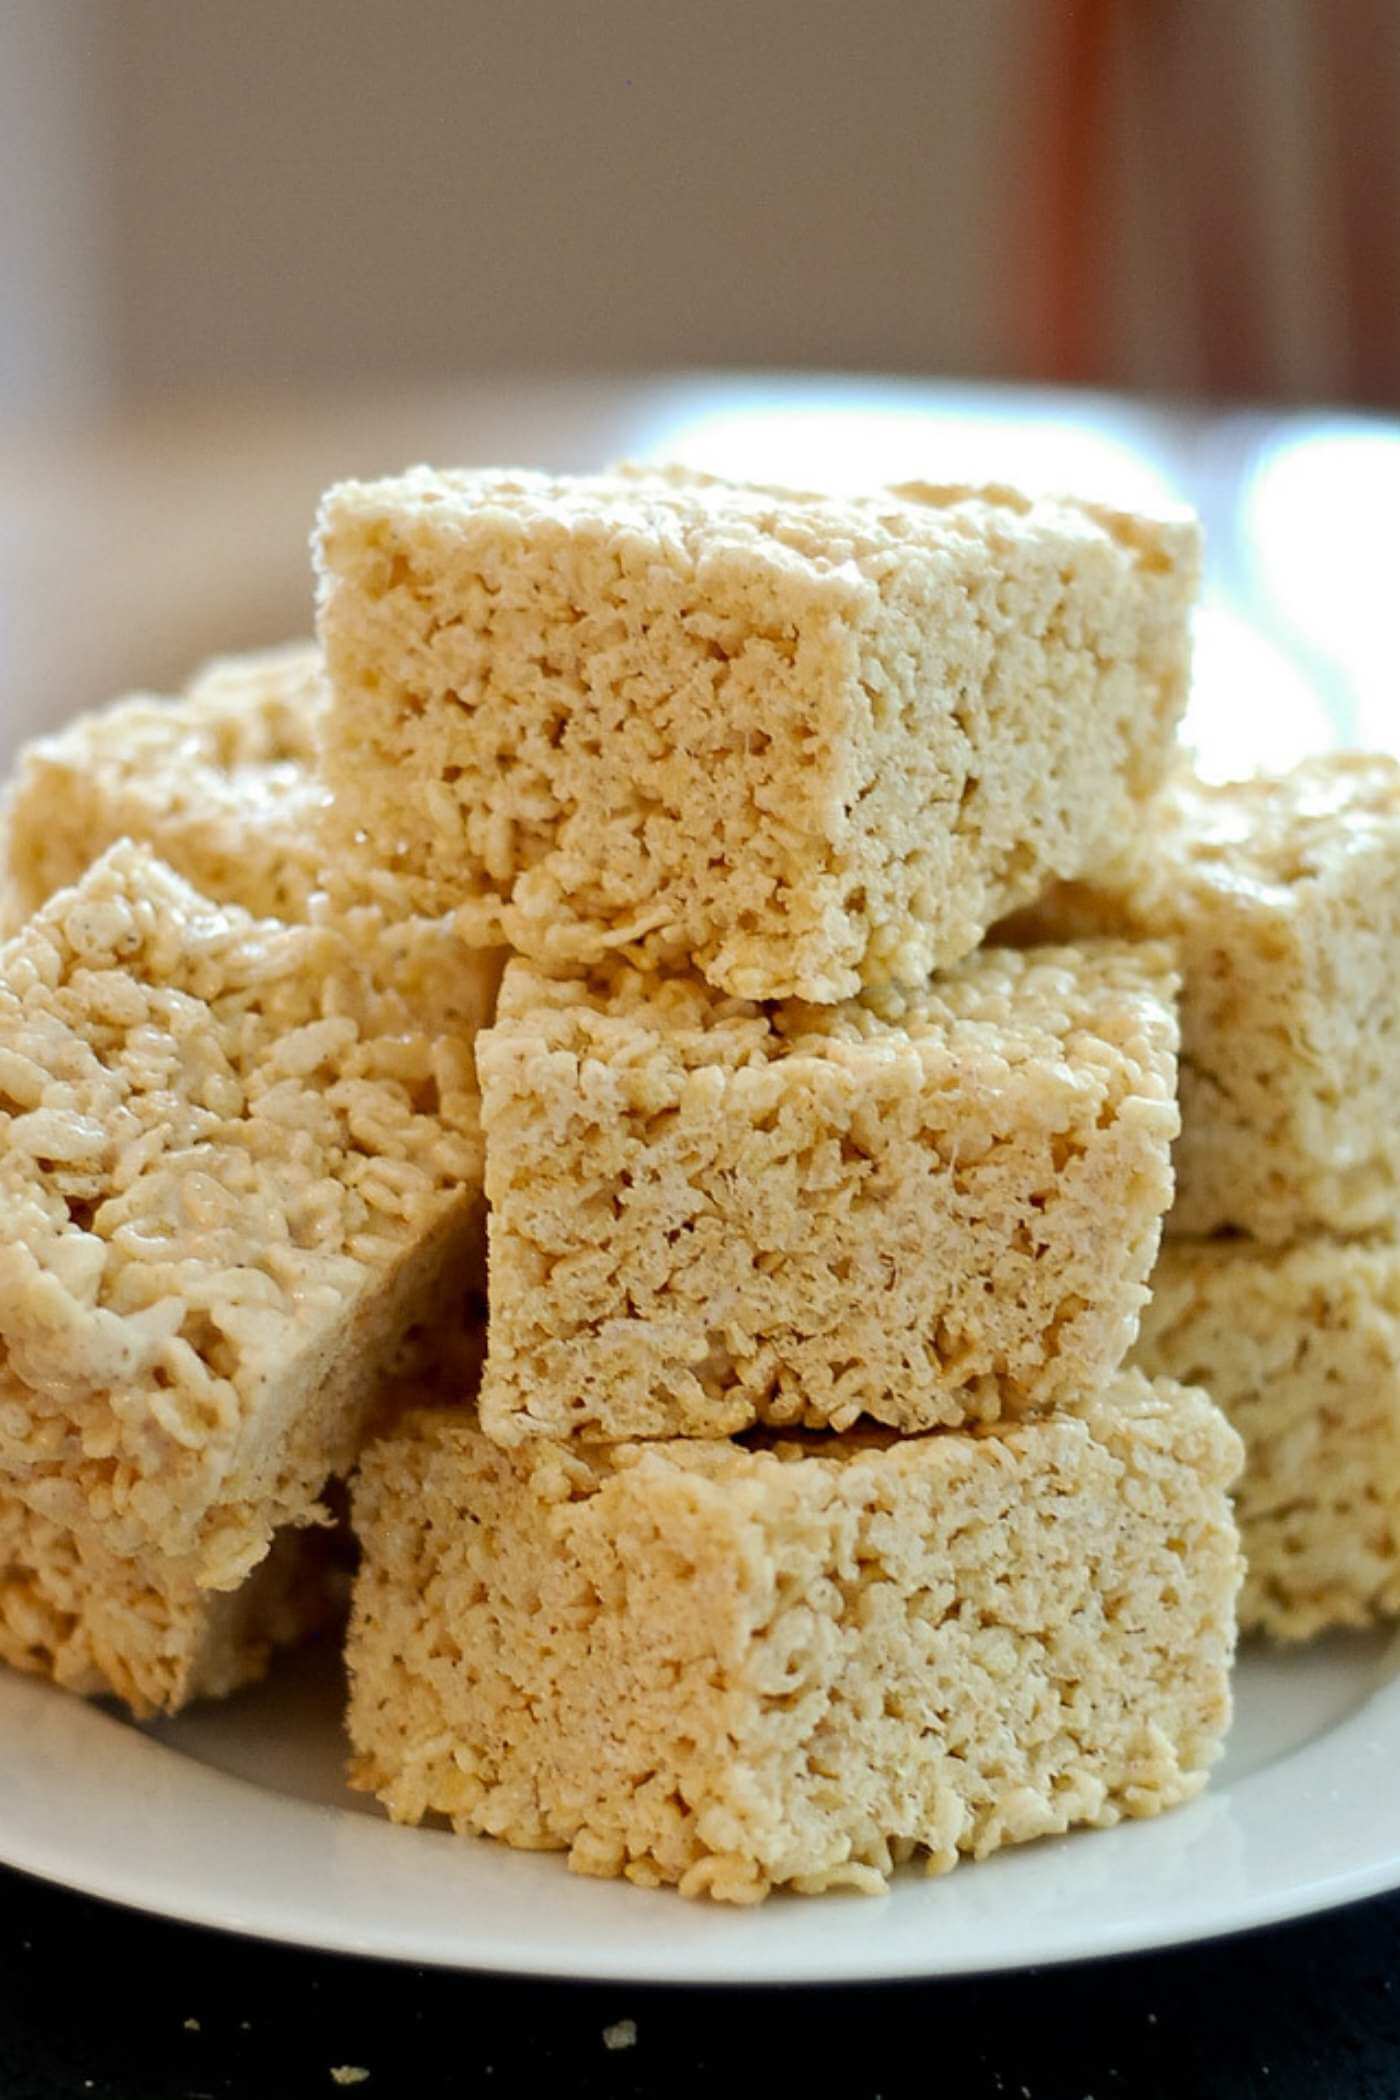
column 735, row 1667
column 237, row 1167
column 219, row 783
column 144, row 1629
column 923, row 1206
column 1283, row 900
column 1301, row 1348
column 805, row 743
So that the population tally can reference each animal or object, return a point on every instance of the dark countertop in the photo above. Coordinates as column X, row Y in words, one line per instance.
column 99, row 2001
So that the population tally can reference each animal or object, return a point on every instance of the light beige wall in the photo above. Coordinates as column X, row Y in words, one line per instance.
column 54, row 251
column 343, row 189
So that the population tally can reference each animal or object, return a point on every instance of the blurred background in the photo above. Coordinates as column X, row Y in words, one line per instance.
column 1195, row 195
column 1149, row 247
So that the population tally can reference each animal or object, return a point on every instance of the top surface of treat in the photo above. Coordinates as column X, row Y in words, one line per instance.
column 133, row 1012
column 260, row 707
column 1013, row 1006
column 691, row 516
column 203, row 1118
column 241, row 715
column 1268, row 837
column 222, row 780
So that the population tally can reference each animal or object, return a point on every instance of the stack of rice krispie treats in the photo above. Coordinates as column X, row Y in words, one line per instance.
column 708, row 927
column 809, row 1520
column 1278, row 1285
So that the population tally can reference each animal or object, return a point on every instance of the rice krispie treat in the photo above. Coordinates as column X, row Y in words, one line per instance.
column 144, row 1629
column 1283, row 900
column 221, row 784
column 806, row 743
column 735, row 1667
column 237, row 1168
column 924, row 1206
column 218, row 782
column 1301, row 1347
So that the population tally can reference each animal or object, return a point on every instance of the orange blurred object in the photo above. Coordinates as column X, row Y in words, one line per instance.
column 1211, row 198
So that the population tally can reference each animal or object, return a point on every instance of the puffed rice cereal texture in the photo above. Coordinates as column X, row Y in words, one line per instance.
column 1282, row 897
column 804, row 743
column 926, row 1207
column 143, row 1629
column 237, row 1170
column 1301, row 1347
column 219, row 782
column 735, row 1667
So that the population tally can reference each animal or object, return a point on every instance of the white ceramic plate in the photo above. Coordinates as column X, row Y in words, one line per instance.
column 236, row 1816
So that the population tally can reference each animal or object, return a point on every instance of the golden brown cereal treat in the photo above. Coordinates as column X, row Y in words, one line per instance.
column 1301, row 1347
column 926, row 1207
column 806, row 743
column 1283, row 899
column 218, row 782
column 736, row 1667
column 143, row 1629
column 237, row 1166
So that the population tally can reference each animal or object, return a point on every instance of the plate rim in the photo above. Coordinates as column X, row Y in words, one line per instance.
column 42, row 1832
column 1356, row 1887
